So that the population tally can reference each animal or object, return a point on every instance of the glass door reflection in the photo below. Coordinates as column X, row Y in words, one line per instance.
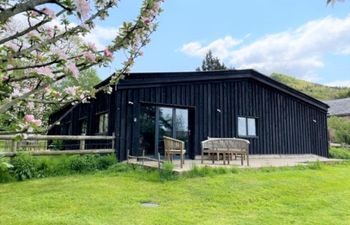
column 181, row 126
column 165, row 126
column 156, row 122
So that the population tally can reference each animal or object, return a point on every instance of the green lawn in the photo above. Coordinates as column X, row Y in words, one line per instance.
column 282, row 196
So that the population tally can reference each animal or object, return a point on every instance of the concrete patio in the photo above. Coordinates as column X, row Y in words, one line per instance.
column 255, row 161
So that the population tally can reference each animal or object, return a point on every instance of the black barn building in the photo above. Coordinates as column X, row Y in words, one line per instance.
column 192, row 106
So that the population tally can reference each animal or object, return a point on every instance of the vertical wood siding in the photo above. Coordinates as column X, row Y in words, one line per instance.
column 284, row 124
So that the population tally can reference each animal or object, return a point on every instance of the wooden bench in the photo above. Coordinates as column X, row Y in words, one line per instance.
column 227, row 147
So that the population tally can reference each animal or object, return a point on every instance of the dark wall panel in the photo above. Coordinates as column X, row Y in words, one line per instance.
column 285, row 125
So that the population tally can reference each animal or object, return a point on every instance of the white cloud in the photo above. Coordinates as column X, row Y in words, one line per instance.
column 220, row 47
column 298, row 52
column 101, row 36
column 339, row 83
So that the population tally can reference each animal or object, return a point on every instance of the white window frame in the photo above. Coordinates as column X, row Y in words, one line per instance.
column 247, row 131
column 103, row 119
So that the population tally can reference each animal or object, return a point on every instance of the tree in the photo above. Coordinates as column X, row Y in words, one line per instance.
column 86, row 80
column 211, row 63
column 48, row 49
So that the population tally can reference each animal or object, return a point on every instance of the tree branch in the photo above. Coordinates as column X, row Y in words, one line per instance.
column 29, row 29
column 22, row 7
column 72, row 31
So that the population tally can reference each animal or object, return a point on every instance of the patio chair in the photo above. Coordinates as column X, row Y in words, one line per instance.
column 173, row 147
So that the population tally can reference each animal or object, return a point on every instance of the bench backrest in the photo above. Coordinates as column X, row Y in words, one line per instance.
column 226, row 143
column 173, row 144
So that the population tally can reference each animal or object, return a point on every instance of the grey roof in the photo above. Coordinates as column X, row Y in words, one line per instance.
column 339, row 107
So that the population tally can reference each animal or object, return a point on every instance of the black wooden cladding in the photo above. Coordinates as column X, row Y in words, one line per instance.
column 287, row 122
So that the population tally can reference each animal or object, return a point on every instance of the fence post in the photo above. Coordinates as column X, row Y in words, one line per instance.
column 158, row 161
column 82, row 143
column 143, row 157
column 113, row 141
column 127, row 156
column 14, row 145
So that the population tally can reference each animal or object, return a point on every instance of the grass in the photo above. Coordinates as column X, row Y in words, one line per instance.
column 271, row 196
column 339, row 153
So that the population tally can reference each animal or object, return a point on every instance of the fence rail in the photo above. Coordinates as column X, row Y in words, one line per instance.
column 339, row 145
column 44, row 144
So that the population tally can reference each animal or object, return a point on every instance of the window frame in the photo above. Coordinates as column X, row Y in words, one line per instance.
column 98, row 115
column 67, row 128
column 83, row 121
column 247, row 127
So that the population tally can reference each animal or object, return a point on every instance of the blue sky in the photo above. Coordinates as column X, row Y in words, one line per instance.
column 306, row 39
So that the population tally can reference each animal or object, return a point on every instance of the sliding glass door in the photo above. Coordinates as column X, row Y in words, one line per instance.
column 157, row 122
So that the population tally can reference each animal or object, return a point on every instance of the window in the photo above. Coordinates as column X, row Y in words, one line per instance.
column 83, row 126
column 103, row 123
column 246, row 127
column 66, row 129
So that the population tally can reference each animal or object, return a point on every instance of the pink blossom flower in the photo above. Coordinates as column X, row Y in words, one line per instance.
column 146, row 20
column 37, row 122
column 91, row 57
column 29, row 118
column 45, row 70
column 34, row 14
column 5, row 78
column 85, row 26
column 82, row 7
column 7, row 26
column 108, row 53
column 34, row 34
column 51, row 14
column 61, row 54
column 72, row 68
column 71, row 90
column 92, row 47
column 12, row 46
column 16, row 92
column 30, row 105
column 56, row 94
column 49, row 32
column 40, row 56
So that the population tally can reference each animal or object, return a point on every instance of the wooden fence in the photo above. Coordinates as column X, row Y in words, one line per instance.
column 44, row 145
column 343, row 145
column 141, row 159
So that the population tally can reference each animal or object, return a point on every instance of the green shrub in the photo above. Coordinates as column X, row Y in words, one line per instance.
column 103, row 162
column 167, row 172
column 5, row 167
column 57, row 145
column 5, row 175
column 120, row 167
column 88, row 163
column 339, row 153
column 82, row 164
column 198, row 172
column 315, row 165
column 339, row 130
column 24, row 166
column 208, row 171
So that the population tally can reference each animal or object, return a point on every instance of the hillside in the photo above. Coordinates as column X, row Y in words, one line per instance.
column 318, row 91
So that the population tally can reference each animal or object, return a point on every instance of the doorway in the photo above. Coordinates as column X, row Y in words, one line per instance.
column 159, row 121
